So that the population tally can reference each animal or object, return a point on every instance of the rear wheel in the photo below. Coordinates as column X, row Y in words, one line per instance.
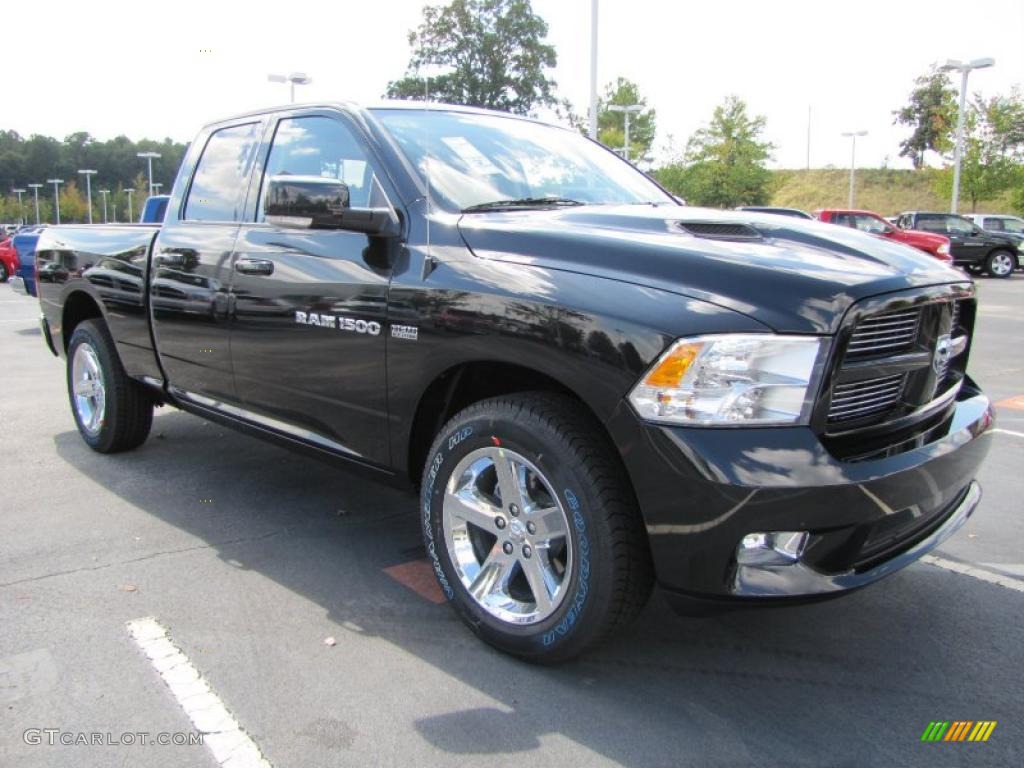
column 532, row 528
column 3, row 272
column 113, row 413
column 1000, row 264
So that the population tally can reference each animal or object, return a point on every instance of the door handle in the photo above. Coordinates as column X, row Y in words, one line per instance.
column 254, row 267
column 170, row 259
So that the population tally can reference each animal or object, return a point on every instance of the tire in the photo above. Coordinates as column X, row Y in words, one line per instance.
column 1000, row 263
column 577, row 535
column 3, row 272
column 112, row 412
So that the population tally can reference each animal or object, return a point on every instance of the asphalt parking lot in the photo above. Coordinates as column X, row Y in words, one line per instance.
column 251, row 557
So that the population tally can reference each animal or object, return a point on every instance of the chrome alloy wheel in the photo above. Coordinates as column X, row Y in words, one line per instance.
column 89, row 389
column 508, row 535
column 1001, row 264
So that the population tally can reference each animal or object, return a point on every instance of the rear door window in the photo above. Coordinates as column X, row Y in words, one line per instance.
column 218, row 186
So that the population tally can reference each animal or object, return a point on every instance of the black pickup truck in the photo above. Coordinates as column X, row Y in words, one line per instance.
column 592, row 386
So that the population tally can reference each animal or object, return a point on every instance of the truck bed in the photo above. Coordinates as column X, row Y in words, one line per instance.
column 111, row 263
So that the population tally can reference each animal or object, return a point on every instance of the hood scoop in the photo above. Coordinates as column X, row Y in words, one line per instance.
column 718, row 230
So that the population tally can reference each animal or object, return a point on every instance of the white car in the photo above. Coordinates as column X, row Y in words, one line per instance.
column 998, row 222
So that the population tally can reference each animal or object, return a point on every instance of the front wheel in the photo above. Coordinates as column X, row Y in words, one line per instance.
column 532, row 528
column 113, row 413
column 3, row 272
column 1000, row 264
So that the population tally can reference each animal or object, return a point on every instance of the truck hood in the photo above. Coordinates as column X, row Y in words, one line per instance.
column 921, row 238
column 793, row 275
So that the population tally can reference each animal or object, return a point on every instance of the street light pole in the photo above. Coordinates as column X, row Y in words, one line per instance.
column 88, row 189
column 953, row 65
column 104, row 192
column 21, row 210
column 627, row 110
column 853, row 158
column 593, row 70
column 149, row 160
column 35, row 190
column 295, row 78
column 131, row 216
column 56, row 197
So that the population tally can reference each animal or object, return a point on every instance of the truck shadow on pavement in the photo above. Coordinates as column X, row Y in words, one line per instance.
column 848, row 682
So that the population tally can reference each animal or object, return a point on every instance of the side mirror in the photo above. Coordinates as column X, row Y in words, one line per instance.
column 317, row 202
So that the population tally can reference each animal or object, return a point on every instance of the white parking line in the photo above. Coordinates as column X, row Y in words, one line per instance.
column 975, row 573
column 1001, row 431
column 221, row 732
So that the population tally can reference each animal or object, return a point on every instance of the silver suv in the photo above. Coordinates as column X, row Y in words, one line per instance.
column 999, row 222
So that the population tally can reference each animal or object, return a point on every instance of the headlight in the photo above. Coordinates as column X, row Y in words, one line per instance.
column 732, row 379
column 944, row 248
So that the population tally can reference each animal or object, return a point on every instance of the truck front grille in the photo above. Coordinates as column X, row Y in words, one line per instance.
column 884, row 334
column 888, row 367
column 864, row 398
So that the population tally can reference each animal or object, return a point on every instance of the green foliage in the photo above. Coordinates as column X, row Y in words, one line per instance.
column 38, row 158
column 611, row 125
column 724, row 162
column 494, row 53
column 992, row 147
column 884, row 190
column 931, row 113
column 1005, row 117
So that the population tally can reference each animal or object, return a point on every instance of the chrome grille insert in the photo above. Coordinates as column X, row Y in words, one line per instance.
column 942, row 371
column 859, row 399
column 884, row 334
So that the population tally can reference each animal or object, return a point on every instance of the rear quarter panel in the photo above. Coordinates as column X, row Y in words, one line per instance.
column 109, row 264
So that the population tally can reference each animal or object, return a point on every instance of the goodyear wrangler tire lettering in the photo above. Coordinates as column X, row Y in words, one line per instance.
column 482, row 538
column 428, row 535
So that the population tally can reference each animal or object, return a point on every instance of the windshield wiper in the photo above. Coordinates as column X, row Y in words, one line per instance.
column 522, row 202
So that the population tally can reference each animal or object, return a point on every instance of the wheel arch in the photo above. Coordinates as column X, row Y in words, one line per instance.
column 79, row 305
column 468, row 382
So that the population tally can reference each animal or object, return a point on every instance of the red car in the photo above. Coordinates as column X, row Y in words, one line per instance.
column 8, row 259
column 866, row 221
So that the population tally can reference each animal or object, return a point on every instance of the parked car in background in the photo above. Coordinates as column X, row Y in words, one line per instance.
column 972, row 247
column 1012, row 226
column 8, row 258
column 796, row 213
column 25, row 245
column 154, row 210
column 867, row 221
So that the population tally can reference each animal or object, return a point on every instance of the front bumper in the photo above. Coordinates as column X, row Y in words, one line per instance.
column 702, row 490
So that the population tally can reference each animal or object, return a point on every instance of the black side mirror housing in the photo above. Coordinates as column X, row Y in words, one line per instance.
column 317, row 202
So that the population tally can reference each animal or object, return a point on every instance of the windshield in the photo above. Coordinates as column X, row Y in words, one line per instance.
column 480, row 159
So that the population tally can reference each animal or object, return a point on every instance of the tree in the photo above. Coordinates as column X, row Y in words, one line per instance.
column 987, row 167
column 40, row 157
column 611, row 125
column 931, row 112
column 724, row 162
column 1005, row 116
column 491, row 52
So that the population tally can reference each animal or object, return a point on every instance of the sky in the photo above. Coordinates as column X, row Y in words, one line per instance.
column 147, row 69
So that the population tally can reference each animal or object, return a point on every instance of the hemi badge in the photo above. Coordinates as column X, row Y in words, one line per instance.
column 407, row 332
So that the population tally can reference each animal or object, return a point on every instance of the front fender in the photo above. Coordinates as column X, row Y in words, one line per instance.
column 592, row 335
